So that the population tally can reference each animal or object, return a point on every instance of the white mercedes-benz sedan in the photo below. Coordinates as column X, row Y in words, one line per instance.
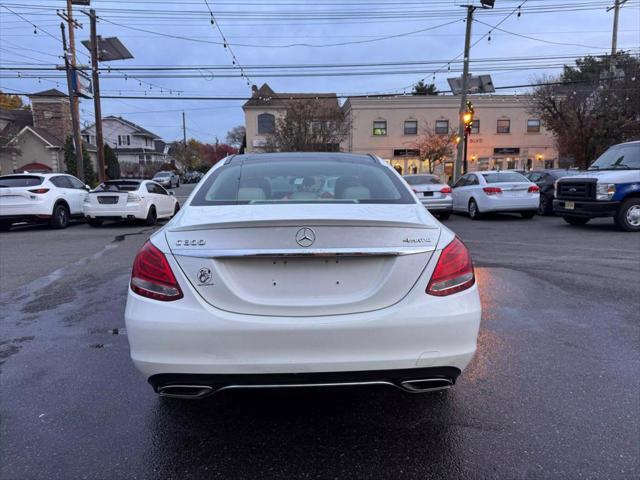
column 129, row 199
column 268, row 278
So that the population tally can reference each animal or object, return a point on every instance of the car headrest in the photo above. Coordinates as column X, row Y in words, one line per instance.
column 356, row 193
column 251, row 193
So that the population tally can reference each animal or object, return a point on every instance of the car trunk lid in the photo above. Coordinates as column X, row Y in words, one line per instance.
column 303, row 260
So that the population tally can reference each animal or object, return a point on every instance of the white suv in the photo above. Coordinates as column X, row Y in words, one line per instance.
column 53, row 198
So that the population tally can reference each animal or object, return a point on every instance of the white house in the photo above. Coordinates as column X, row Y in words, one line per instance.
column 138, row 150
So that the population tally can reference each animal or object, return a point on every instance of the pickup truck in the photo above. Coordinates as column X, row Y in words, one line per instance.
column 610, row 187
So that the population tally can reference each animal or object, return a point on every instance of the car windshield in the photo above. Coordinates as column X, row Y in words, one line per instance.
column 20, row 181
column 619, row 157
column 281, row 181
column 118, row 186
column 422, row 180
column 162, row 174
column 502, row 177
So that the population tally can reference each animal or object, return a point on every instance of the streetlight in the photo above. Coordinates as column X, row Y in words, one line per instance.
column 467, row 120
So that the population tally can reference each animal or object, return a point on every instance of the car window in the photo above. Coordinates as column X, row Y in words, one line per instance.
column 61, row 181
column 502, row 177
column 462, row 181
column 20, row 181
column 625, row 157
column 534, row 176
column 75, row 183
column 473, row 180
column 160, row 189
column 253, row 181
column 151, row 188
column 422, row 179
column 118, row 185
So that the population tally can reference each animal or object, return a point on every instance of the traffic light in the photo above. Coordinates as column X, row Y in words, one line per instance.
column 467, row 118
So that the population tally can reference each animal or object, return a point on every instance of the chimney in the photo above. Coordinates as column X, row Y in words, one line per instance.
column 51, row 112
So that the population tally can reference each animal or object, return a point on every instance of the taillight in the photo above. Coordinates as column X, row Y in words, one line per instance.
column 534, row 189
column 454, row 271
column 492, row 190
column 132, row 197
column 445, row 190
column 152, row 276
column 39, row 190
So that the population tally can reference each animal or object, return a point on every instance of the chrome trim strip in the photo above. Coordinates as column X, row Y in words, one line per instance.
column 316, row 252
column 304, row 385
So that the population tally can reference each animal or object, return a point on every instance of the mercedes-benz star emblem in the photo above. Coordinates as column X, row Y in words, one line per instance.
column 204, row 275
column 305, row 237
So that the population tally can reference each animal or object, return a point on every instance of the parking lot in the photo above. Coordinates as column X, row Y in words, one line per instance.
column 553, row 391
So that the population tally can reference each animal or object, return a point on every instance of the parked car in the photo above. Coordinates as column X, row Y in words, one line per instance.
column 191, row 177
column 610, row 188
column 432, row 193
column 128, row 199
column 478, row 193
column 546, row 179
column 251, row 287
column 167, row 179
column 51, row 198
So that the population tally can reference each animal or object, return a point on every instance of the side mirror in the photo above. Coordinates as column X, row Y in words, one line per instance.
column 172, row 193
column 87, row 188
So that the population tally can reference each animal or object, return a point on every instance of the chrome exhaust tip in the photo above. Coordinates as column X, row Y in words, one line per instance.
column 185, row 391
column 426, row 385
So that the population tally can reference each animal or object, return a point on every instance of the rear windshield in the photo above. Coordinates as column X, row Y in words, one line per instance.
column 422, row 180
column 302, row 181
column 118, row 186
column 502, row 177
column 20, row 181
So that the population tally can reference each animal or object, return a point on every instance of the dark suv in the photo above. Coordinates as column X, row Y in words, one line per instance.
column 546, row 179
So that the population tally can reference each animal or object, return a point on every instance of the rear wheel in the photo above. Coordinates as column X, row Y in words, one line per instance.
column 628, row 216
column 152, row 217
column 444, row 216
column 94, row 223
column 576, row 220
column 474, row 212
column 528, row 214
column 5, row 226
column 60, row 217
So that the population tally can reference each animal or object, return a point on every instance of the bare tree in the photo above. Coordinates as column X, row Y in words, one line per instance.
column 587, row 110
column 434, row 147
column 236, row 136
column 310, row 125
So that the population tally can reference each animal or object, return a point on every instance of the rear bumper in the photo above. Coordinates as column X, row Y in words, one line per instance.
column 586, row 209
column 438, row 205
column 23, row 211
column 490, row 203
column 109, row 212
column 441, row 377
column 187, row 338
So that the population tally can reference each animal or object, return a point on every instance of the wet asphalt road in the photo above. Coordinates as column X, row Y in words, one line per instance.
column 554, row 391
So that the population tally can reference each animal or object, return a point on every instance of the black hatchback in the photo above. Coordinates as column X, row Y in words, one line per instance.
column 545, row 179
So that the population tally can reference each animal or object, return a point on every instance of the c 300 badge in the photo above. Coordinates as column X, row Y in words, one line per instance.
column 205, row 277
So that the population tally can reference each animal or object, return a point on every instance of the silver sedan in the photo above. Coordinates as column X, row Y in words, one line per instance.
column 433, row 193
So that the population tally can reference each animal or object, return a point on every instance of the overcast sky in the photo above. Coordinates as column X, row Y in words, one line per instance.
column 266, row 27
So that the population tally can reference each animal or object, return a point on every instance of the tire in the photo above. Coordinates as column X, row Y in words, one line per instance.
column 5, row 226
column 576, row 220
column 59, row 217
column 152, row 216
column 94, row 223
column 628, row 216
column 176, row 209
column 444, row 216
column 474, row 211
column 545, row 207
column 528, row 214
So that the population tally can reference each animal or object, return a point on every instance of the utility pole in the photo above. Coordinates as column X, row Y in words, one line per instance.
column 614, row 38
column 74, row 101
column 184, row 131
column 75, row 120
column 96, row 95
column 463, row 96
